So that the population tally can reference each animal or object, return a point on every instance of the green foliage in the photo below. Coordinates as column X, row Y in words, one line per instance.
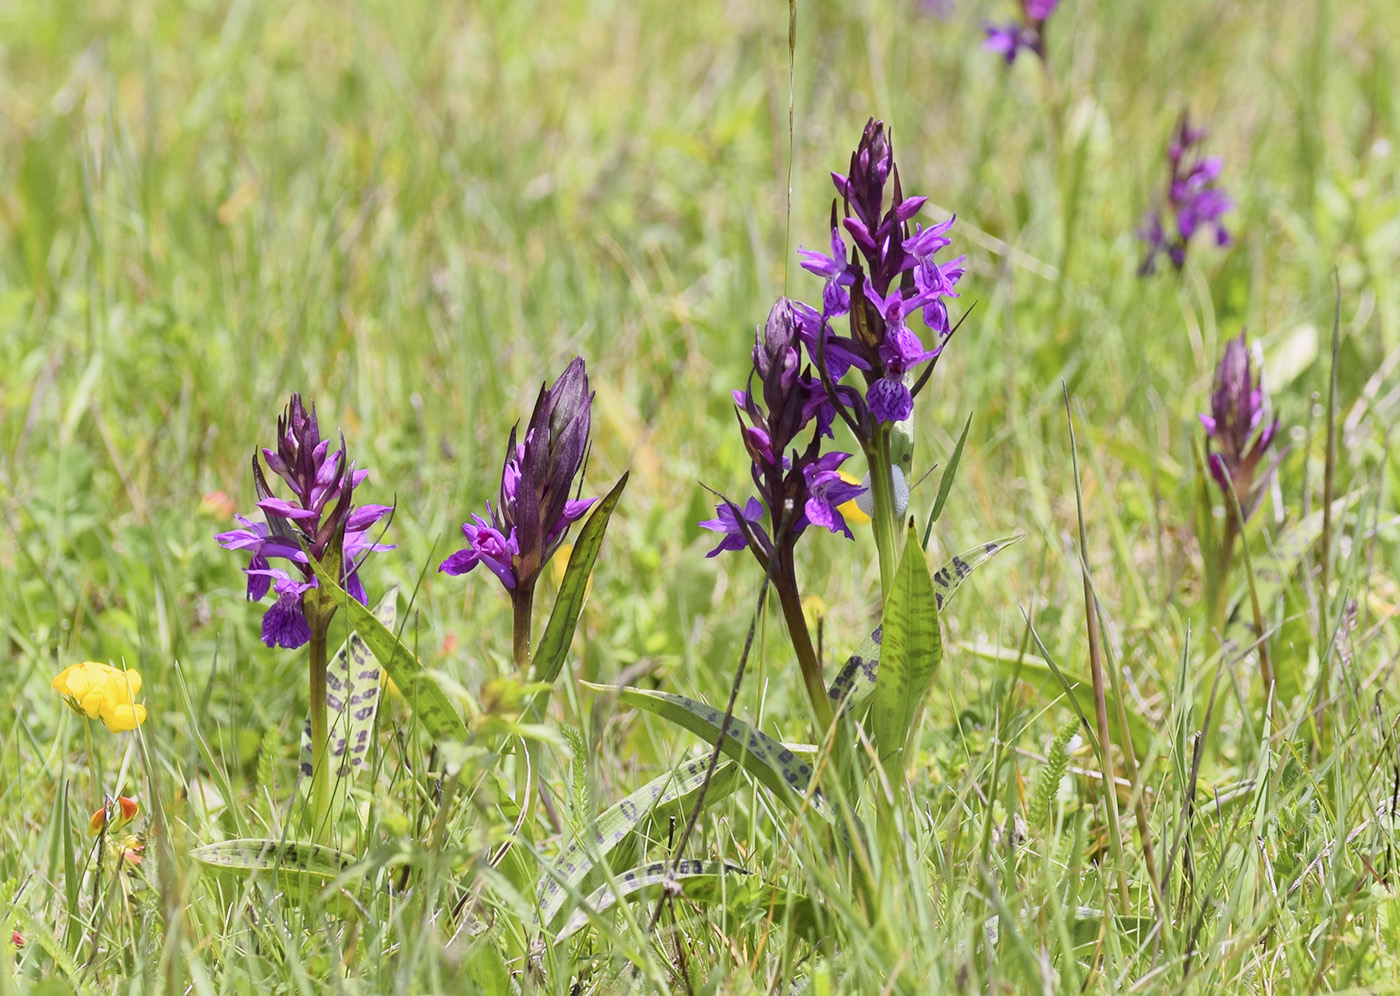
column 422, row 693
column 413, row 213
column 911, row 649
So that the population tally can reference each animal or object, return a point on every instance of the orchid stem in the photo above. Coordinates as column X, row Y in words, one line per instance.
column 882, row 498
column 320, row 770
column 806, row 653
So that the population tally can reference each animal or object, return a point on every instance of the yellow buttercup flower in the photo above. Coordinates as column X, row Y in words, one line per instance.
column 101, row 691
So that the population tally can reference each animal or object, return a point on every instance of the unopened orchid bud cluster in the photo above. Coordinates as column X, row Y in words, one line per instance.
column 1237, row 435
column 534, row 509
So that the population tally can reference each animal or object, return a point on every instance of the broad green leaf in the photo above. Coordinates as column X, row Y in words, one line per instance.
column 612, row 827
column 910, row 652
column 423, row 695
column 299, row 868
column 352, row 699
column 856, row 679
column 776, row 765
column 288, row 857
column 697, row 880
column 563, row 619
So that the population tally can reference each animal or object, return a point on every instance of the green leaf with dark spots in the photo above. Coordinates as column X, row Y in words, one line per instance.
column 910, row 651
column 696, row 880
column 611, row 828
column 856, row 679
column 423, row 695
column 777, row 766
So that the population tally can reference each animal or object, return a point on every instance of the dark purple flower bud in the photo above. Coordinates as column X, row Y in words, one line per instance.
column 1193, row 201
column 535, row 507
column 1235, row 444
column 322, row 485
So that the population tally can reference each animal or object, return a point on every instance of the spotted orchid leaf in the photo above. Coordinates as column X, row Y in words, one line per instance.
column 693, row 878
column 856, row 679
column 352, row 699
column 611, row 828
column 422, row 693
column 777, row 766
column 911, row 651
column 290, row 857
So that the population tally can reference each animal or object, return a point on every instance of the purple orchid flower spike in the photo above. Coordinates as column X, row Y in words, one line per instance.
column 1007, row 40
column 788, row 471
column 534, row 510
column 1194, row 200
column 305, row 526
column 1236, row 444
column 890, row 275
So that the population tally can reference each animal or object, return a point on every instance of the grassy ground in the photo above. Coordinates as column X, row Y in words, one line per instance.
column 416, row 213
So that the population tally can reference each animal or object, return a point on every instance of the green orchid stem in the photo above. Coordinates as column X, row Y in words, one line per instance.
column 882, row 498
column 806, row 653
column 523, row 604
column 320, row 770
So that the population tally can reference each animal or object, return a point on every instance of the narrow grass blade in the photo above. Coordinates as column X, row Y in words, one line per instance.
column 697, row 880
column 352, row 698
column 776, row 766
column 559, row 632
column 910, row 652
column 945, row 483
column 423, row 695
column 612, row 827
column 856, row 679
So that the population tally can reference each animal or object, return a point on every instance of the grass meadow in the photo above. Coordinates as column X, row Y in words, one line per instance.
column 417, row 213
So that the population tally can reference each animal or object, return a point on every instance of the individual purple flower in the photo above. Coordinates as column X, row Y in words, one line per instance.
column 322, row 484
column 485, row 545
column 1194, row 201
column 1007, row 40
column 827, row 491
column 534, row 510
column 1235, row 443
column 836, row 295
column 284, row 624
column 735, row 532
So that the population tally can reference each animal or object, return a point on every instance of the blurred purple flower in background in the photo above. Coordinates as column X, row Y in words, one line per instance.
column 1193, row 201
column 1028, row 33
column 322, row 485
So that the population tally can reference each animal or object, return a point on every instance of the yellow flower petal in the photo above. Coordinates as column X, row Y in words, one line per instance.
column 101, row 691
